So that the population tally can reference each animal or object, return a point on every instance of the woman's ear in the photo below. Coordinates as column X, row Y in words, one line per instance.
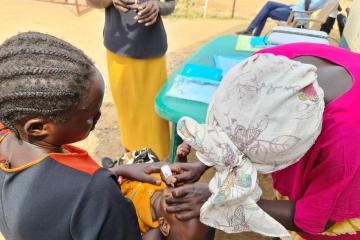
column 36, row 128
column 164, row 226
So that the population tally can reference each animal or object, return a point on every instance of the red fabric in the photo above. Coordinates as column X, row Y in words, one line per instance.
column 77, row 158
column 325, row 183
column 3, row 130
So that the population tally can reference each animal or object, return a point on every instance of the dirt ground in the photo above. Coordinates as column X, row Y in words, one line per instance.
column 184, row 36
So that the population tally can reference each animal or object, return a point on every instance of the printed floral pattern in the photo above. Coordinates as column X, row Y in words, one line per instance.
column 265, row 115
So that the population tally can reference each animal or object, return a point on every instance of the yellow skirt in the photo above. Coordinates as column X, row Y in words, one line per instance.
column 134, row 84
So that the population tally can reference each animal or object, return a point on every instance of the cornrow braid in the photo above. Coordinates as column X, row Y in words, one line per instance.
column 24, row 95
column 40, row 76
column 37, row 37
column 12, row 51
column 31, row 110
column 12, row 72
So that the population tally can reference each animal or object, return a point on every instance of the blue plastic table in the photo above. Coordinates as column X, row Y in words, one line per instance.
column 173, row 109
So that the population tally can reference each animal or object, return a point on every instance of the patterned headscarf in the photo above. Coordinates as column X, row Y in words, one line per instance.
column 265, row 115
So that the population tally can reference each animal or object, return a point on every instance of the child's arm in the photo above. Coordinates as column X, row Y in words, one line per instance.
column 140, row 172
column 153, row 234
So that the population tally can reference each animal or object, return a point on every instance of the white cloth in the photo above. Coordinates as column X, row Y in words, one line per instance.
column 280, row 35
column 265, row 115
column 314, row 5
column 334, row 14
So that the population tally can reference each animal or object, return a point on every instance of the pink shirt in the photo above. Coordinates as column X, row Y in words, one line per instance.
column 325, row 183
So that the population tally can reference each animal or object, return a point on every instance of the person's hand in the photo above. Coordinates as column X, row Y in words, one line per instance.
column 124, row 5
column 183, row 172
column 148, row 12
column 139, row 172
column 188, row 172
column 182, row 152
column 186, row 201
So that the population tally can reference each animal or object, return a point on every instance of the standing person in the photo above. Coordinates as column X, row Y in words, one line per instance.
column 50, row 96
column 330, row 21
column 280, row 12
column 320, row 192
column 136, row 42
column 341, row 20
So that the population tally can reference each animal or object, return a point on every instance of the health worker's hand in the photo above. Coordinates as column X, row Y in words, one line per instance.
column 188, row 172
column 186, row 201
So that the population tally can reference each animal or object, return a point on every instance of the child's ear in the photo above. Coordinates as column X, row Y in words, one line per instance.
column 36, row 128
column 164, row 226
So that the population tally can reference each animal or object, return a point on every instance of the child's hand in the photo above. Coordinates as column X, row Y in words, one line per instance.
column 182, row 152
column 139, row 172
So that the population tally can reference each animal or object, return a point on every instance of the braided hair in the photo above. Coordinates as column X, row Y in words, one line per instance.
column 40, row 76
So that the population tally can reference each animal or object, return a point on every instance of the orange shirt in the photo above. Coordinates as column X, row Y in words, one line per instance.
column 140, row 194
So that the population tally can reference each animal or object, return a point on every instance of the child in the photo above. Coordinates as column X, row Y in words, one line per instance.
column 150, row 205
column 50, row 96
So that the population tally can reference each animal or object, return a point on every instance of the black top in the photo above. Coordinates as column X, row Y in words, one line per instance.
column 124, row 36
column 53, row 200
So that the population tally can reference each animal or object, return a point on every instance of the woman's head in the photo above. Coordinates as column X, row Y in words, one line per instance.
column 268, row 108
column 49, row 90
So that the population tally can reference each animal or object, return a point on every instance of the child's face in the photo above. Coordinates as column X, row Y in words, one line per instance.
column 82, row 120
column 192, row 229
